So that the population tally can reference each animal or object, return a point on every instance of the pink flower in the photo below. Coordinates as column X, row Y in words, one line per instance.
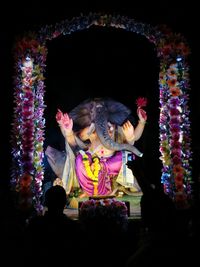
column 59, row 115
column 141, row 102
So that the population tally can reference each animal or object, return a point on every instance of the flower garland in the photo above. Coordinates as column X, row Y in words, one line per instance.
column 28, row 124
column 93, row 175
column 27, row 133
column 108, row 208
column 174, row 118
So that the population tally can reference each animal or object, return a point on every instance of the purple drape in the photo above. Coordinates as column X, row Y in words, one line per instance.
column 110, row 167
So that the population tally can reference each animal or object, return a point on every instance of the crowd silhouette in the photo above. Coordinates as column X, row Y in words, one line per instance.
column 164, row 234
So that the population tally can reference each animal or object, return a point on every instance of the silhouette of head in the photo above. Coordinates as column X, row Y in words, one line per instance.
column 55, row 198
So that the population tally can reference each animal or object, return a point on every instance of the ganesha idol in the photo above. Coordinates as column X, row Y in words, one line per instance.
column 99, row 136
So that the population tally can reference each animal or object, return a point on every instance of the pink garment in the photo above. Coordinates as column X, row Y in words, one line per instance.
column 110, row 168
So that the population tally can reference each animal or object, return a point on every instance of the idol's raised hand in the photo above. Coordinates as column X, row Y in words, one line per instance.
column 128, row 131
column 65, row 122
column 142, row 115
column 141, row 102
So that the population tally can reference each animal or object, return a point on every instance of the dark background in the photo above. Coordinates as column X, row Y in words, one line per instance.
column 99, row 62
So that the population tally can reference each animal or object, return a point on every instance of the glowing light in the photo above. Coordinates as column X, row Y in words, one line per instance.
column 178, row 59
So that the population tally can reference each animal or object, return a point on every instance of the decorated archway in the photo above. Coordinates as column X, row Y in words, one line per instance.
column 29, row 122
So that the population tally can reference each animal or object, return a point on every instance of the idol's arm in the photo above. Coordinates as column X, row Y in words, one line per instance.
column 141, row 123
column 133, row 134
column 129, row 132
column 66, row 124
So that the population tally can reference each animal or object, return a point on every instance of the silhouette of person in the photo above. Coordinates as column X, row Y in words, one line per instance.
column 163, row 228
column 53, row 235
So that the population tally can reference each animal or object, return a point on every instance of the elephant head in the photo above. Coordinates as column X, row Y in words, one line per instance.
column 97, row 113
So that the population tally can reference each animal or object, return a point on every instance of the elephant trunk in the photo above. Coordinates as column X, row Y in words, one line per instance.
column 101, row 126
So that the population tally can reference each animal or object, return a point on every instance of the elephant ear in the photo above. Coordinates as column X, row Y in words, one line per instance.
column 117, row 112
column 82, row 114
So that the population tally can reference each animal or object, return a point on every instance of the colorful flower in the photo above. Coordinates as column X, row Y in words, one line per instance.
column 108, row 208
column 141, row 102
column 175, row 91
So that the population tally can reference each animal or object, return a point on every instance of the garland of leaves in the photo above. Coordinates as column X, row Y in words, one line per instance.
column 29, row 123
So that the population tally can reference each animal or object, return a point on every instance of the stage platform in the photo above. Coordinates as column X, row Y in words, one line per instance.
column 133, row 201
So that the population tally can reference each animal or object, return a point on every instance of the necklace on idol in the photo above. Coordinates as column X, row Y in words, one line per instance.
column 92, row 174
